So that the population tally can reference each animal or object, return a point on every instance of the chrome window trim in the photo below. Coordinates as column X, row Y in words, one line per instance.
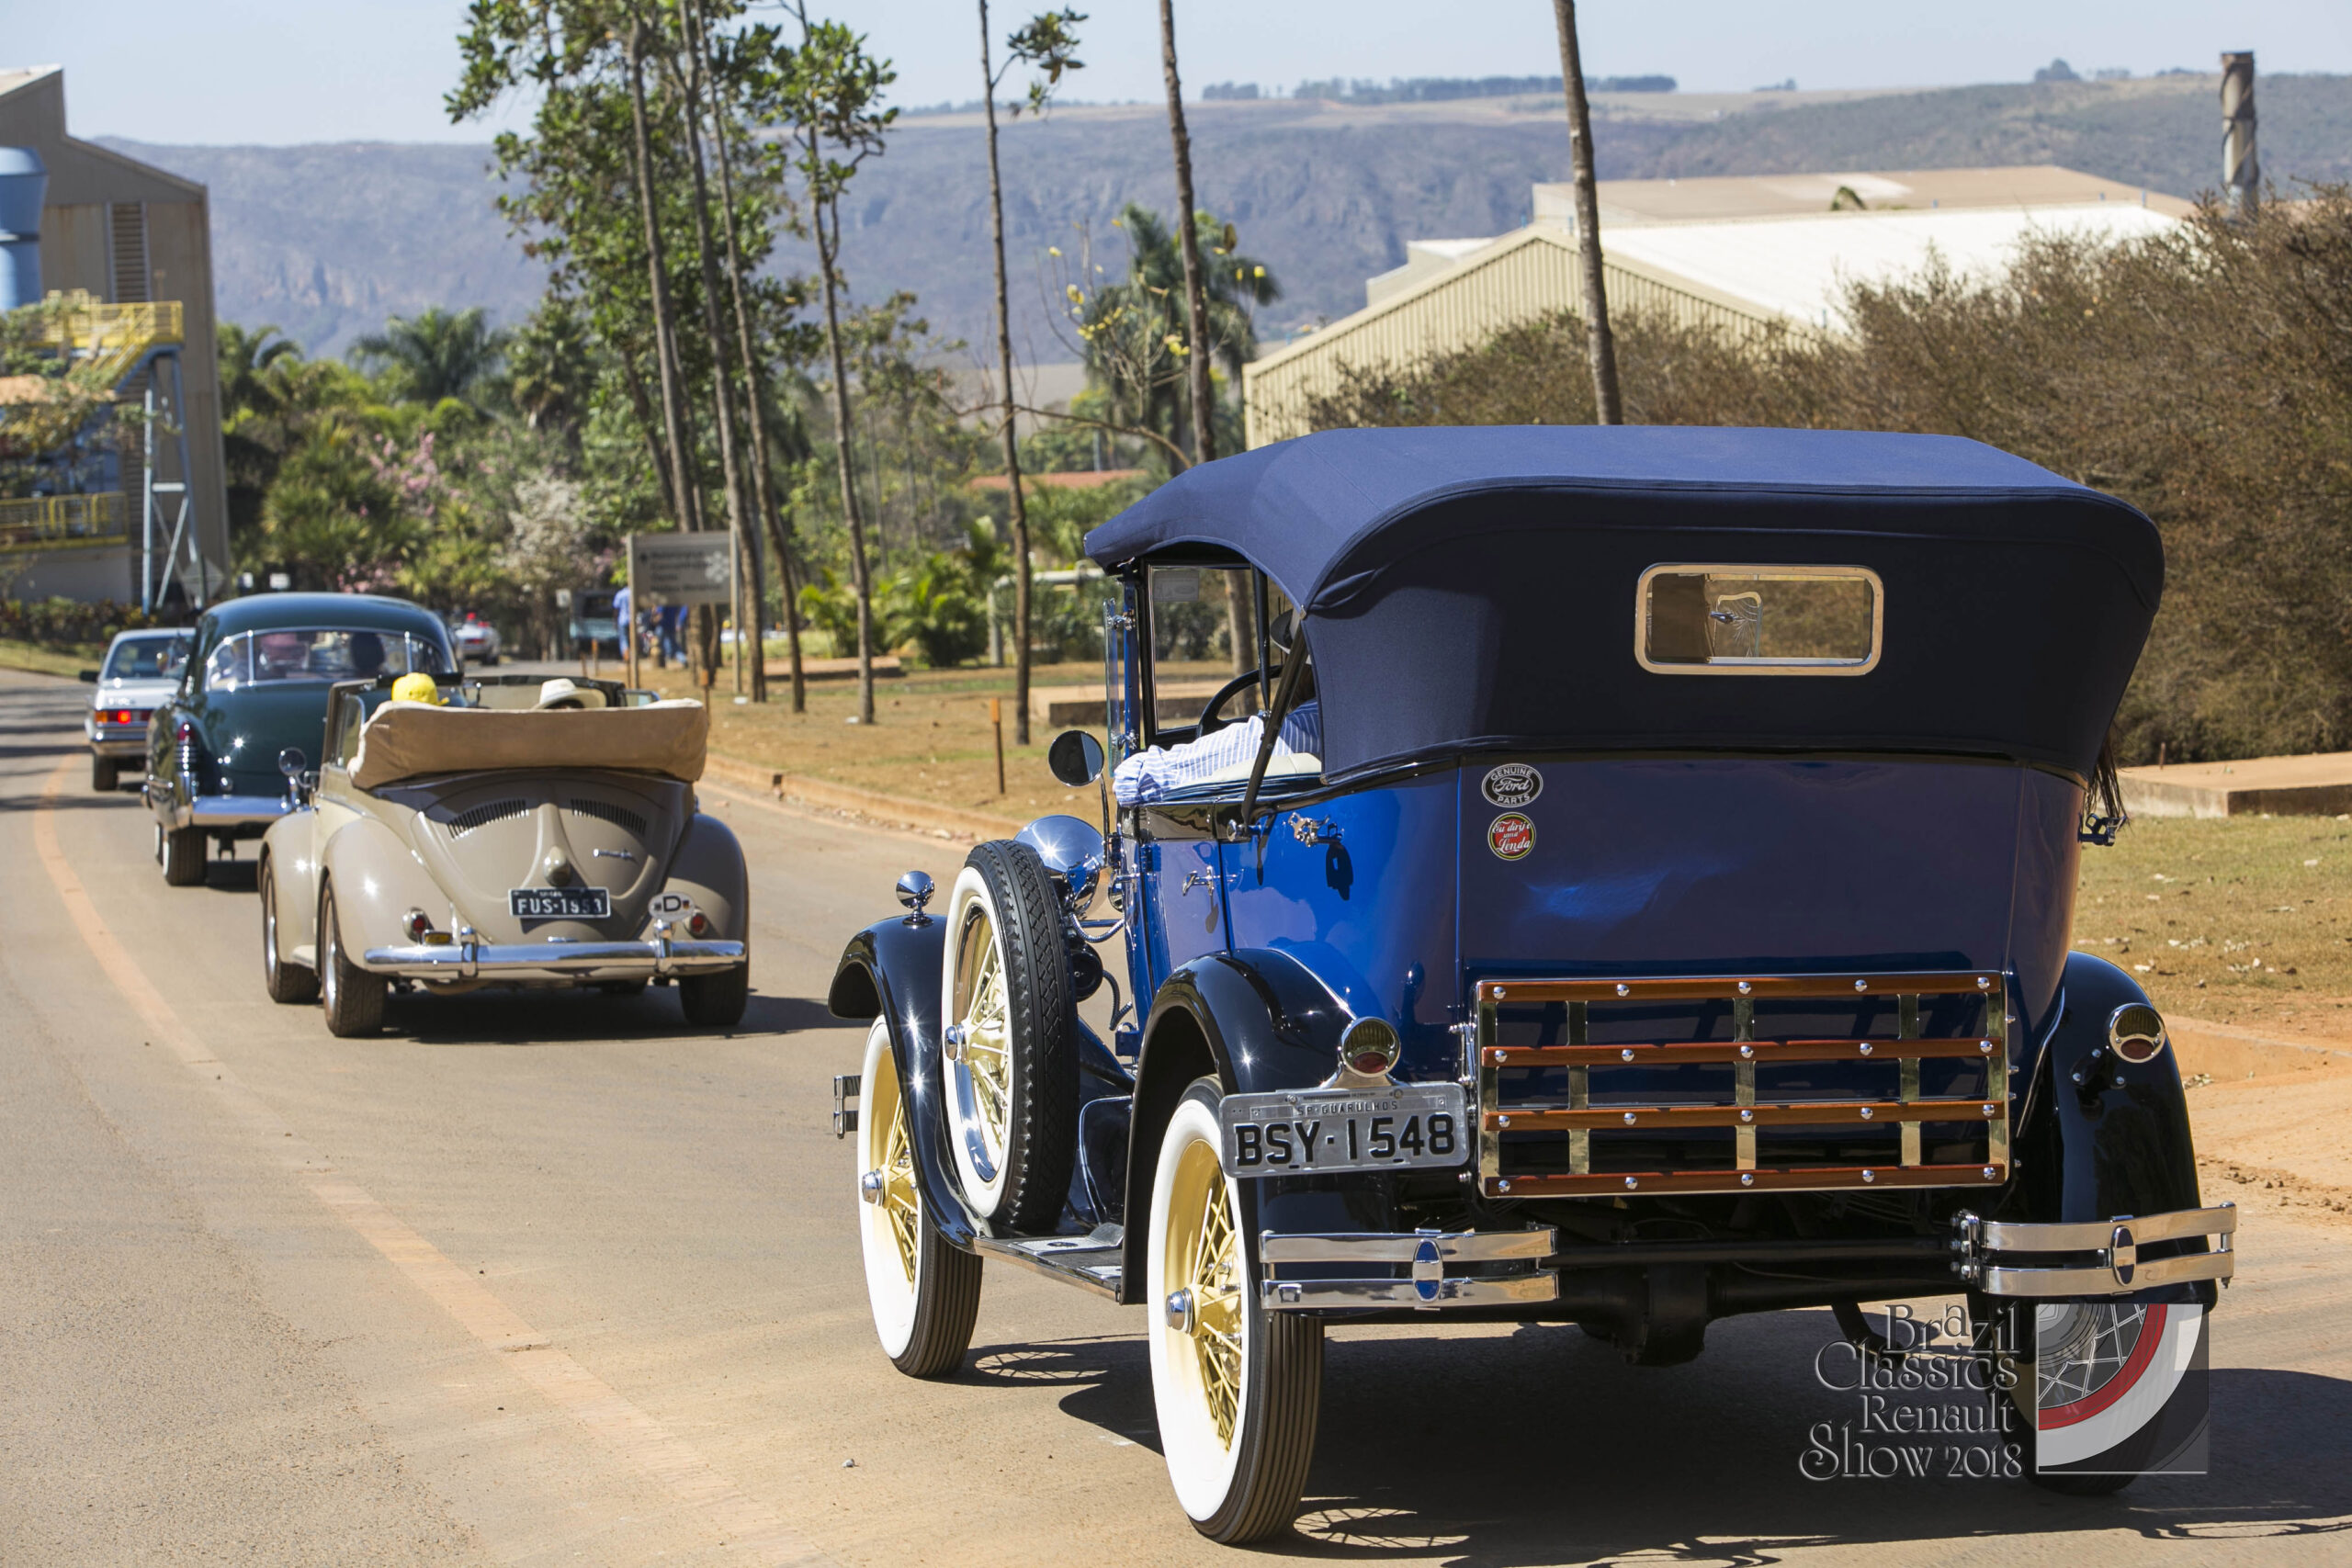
column 1761, row 666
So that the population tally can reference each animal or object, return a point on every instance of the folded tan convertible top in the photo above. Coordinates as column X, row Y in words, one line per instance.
column 406, row 740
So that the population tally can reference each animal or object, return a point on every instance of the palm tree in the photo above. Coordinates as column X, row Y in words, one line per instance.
column 1133, row 332
column 435, row 354
column 247, row 358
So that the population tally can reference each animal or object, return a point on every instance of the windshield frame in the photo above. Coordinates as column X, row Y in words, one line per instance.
column 234, row 657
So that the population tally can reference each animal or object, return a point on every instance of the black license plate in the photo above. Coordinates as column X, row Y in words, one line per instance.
column 559, row 903
column 1306, row 1132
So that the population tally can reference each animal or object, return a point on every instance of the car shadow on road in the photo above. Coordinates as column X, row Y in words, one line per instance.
column 576, row 1016
column 787, row 1015
column 1540, row 1446
column 1109, row 1380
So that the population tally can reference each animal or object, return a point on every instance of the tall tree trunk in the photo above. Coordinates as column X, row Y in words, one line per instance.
column 755, row 404
column 829, row 235
column 749, row 580
column 1197, row 304
column 1012, row 442
column 1601, row 347
column 682, row 493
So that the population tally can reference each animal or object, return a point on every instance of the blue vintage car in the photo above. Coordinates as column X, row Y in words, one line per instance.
column 254, row 688
column 1644, row 899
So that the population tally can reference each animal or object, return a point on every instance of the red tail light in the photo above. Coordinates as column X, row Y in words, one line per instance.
column 700, row 925
column 185, row 734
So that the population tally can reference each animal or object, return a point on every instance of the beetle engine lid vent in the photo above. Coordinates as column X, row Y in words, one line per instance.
column 618, row 815
column 482, row 816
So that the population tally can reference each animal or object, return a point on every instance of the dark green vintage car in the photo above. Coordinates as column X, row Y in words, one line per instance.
column 255, row 689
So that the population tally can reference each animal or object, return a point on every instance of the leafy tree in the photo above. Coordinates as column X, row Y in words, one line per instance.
column 1132, row 334
column 1049, row 43
column 833, row 91
column 435, row 354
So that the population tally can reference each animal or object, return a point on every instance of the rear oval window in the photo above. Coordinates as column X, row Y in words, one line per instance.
column 1708, row 618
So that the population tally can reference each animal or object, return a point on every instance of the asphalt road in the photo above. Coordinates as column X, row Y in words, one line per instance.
column 549, row 1280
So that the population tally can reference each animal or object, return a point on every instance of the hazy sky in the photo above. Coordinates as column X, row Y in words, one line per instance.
column 238, row 71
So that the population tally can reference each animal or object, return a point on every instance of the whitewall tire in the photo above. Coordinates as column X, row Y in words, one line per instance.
column 924, row 1293
column 1237, row 1388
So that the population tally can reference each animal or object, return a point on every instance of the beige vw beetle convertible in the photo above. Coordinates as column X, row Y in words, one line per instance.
column 513, row 832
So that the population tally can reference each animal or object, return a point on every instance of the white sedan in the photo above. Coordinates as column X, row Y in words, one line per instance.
column 477, row 640
column 140, row 671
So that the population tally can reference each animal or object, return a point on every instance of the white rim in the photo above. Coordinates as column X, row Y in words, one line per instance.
column 269, row 959
column 979, row 1077
column 889, row 1233
column 1202, row 1458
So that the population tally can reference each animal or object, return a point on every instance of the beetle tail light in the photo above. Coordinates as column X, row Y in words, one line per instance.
column 700, row 924
column 418, row 926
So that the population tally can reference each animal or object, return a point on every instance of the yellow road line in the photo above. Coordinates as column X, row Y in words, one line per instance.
column 739, row 1520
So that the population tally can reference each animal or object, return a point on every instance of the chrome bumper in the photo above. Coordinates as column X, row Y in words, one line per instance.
column 475, row 960
column 1423, row 1254
column 216, row 811
column 2093, row 1257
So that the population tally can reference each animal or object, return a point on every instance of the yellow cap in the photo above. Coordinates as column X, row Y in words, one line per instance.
column 416, row 687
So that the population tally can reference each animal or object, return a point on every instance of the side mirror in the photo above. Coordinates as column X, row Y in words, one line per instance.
column 291, row 763
column 1075, row 757
column 90, row 677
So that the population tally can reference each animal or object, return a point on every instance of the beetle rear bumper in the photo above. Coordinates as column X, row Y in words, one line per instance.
column 2094, row 1258
column 553, row 960
column 1423, row 1256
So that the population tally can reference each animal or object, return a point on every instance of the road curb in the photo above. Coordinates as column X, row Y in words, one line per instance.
column 889, row 810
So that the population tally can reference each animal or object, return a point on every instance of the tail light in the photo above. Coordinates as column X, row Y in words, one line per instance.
column 419, row 927
column 700, row 924
column 186, row 733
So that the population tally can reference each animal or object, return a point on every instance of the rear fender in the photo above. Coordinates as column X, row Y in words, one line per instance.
column 1255, row 1019
column 2103, row 1148
column 289, row 859
column 891, row 970
column 708, row 870
column 377, row 880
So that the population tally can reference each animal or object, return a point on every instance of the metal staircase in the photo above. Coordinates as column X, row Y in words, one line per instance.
column 111, row 353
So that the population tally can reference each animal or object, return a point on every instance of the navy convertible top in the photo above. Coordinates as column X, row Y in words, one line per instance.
column 1474, row 588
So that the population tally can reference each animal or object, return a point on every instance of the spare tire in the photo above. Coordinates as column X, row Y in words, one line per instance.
column 1010, row 1021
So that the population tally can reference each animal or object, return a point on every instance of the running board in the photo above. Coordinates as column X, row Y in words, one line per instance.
column 1089, row 1260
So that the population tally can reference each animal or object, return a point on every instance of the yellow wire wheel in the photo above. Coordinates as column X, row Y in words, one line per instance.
column 1009, row 1041
column 924, row 1293
column 1238, row 1388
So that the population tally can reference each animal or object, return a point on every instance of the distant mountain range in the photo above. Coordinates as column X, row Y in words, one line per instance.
column 326, row 241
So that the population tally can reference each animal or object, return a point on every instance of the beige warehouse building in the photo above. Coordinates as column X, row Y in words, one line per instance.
column 1736, row 254
column 128, row 235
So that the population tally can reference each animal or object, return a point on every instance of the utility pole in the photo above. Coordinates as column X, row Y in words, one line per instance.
column 1196, row 303
column 2241, row 170
column 1599, row 346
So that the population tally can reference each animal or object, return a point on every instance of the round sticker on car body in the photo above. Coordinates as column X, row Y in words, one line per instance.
column 1511, row 836
column 1511, row 784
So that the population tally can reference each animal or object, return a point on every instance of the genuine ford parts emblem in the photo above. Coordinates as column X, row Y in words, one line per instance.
column 1511, row 784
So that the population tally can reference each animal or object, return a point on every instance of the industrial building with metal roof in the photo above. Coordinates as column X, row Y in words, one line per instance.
column 1736, row 254
column 138, row 513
